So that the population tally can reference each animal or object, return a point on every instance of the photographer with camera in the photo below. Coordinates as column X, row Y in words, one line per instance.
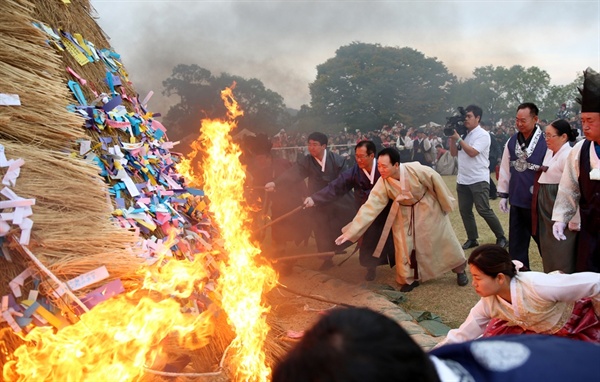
column 473, row 179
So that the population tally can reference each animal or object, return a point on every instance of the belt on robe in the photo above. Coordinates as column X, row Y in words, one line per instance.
column 411, row 232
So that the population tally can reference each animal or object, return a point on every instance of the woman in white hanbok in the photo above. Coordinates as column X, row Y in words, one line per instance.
column 556, row 255
column 513, row 302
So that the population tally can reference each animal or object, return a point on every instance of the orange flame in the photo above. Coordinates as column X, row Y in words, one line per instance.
column 243, row 281
column 120, row 337
column 115, row 340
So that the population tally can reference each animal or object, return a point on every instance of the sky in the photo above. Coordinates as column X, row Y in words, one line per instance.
column 282, row 42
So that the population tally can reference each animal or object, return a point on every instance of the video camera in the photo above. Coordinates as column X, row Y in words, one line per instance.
column 456, row 122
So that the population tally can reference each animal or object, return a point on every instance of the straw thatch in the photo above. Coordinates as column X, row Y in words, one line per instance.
column 72, row 233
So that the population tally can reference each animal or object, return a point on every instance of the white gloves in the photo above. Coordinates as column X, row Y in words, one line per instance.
column 341, row 240
column 558, row 230
column 504, row 205
column 308, row 202
column 270, row 187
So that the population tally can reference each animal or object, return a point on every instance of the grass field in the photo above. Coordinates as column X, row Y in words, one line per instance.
column 441, row 296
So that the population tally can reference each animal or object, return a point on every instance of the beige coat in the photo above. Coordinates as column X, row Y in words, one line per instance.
column 438, row 249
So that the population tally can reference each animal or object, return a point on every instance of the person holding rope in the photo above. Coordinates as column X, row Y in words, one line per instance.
column 425, row 243
column 361, row 178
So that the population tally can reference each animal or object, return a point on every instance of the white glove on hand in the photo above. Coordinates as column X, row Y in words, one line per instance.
column 341, row 240
column 574, row 226
column 558, row 230
column 270, row 187
column 308, row 202
column 504, row 205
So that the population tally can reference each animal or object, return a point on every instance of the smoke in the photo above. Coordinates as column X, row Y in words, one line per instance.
column 282, row 42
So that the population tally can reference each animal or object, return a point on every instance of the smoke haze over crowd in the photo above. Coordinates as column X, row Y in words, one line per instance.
column 282, row 42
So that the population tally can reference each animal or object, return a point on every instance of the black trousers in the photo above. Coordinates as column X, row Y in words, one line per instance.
column 519, row 234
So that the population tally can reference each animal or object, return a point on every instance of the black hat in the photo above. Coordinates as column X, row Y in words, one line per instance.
column 590, row 93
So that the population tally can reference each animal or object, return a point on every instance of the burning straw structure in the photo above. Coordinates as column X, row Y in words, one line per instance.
column 177, row 315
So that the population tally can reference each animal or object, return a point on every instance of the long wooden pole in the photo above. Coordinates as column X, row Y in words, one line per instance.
column 307, row 255
column 51, row 275
column 282, row 217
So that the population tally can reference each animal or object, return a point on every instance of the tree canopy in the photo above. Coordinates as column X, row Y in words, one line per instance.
column 366, row 86
column 199, row 94
column 499, row 90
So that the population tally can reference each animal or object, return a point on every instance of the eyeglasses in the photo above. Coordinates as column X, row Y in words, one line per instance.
column 548, row 136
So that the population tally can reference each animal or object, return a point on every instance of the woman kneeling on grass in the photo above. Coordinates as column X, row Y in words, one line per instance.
column 513, row 302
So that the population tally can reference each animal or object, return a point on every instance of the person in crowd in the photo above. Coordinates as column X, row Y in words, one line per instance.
column 473, row 179
column 425, row 243
column 403, row 140
column 320, row 166
column 361, row 345
column 435, row 140
column 361, row 178
column 563, row 113
column 514, row 302
column 262, row 168
column 580, row 182
column 555, row 256
column 522, row 158
column 445, row 163
column 420, row 146
column 494, row 157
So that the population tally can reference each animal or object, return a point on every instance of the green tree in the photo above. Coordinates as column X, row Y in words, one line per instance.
column 200, row 97
column 366, row 86
column 560, row 94
column 499, row 90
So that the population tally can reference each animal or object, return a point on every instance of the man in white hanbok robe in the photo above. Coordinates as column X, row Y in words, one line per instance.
column 580, row 182
column 425, row 243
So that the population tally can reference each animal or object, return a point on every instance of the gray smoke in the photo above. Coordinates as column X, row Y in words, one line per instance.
column 282, row 42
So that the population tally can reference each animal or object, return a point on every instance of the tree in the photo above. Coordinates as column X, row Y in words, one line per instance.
column 366, row 86
column 558, row 95
column 498, row 90
column 199, row 92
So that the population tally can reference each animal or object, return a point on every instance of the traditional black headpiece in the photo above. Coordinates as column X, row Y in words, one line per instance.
column 590, row 93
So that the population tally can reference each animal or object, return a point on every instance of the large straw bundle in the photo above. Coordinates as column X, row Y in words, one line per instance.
column 72, row 233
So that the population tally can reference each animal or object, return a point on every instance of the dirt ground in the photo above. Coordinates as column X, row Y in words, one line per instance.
column 442, row 296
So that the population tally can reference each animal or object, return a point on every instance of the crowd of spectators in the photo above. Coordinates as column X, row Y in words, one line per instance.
column 289, row 143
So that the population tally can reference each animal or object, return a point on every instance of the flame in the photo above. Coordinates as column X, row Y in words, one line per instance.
column 243, row 281
column 118, row 338
column 122, row 336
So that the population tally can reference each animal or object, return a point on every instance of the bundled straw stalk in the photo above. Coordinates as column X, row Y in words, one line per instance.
column 72, row 232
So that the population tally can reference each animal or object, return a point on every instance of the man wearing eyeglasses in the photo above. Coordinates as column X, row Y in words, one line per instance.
column 522, row 158
column 580, row 182
column 473, row 179
column 320, row 167
column 361, row 178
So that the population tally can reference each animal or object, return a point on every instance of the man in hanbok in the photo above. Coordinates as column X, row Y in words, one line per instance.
column 425, row 243
column 361, row 178
column 580, row 181
column 523, row 156
column 320, row 167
